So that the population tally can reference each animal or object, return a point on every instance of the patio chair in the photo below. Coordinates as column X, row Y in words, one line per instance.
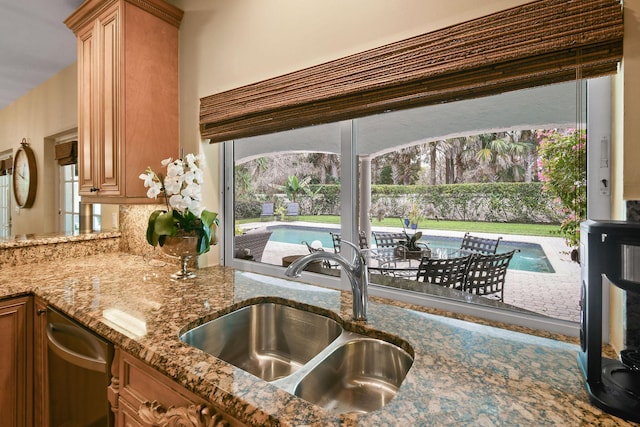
column 293, row 209
column 480, row 245
column 486, row 274
column 362, row 241
column 447, row 272
column 385, row 239
column 254, row 241
column 267, row 211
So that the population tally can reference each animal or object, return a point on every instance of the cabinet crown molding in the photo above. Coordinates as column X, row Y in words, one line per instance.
column 90, row 9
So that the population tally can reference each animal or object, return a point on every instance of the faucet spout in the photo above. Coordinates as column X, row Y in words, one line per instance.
column 355, row 270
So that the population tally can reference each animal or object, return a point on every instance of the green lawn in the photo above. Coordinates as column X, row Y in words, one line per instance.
column 425, row 225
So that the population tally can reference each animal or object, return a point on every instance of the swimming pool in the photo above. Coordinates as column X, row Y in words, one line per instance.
column 530, row 258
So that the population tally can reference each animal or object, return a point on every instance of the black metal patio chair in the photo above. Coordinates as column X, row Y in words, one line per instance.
column 447, row 272
column 386, row 239
column 481, row 245
column 362, row 241
column 486, row 274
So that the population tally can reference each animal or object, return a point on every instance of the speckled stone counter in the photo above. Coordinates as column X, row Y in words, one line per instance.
column 463, row 374
column 34, row 248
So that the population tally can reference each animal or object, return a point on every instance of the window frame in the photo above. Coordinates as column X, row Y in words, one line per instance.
column 349, row 212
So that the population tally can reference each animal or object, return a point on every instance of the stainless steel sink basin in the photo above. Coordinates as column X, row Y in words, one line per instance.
column 268, row 340
column 306, row 354
column 361, row 375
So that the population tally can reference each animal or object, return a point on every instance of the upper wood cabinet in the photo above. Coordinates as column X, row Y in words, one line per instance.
column 127, row 94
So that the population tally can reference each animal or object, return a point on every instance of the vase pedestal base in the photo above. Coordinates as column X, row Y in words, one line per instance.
column 178, row 275
column 183, row 247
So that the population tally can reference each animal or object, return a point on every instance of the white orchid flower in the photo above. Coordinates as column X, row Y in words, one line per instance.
column 198, row 176
column 148, row 178
column 196, row 209
column 193, row 191
column 191, row 160
column 189, row 177
column 153, row 191
column 175, row 169
column 172, row 185
column 178, row 203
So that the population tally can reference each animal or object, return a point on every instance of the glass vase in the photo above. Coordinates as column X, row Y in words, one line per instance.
column 184, row 247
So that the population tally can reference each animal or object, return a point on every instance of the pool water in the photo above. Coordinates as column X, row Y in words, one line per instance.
column 530, row 258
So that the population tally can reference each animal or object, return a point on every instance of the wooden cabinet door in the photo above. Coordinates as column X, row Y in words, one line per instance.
column 40, row 366
column 109, row 92
column 146, row 397
column 99, row 98
column 15, row 362
column 87, row 127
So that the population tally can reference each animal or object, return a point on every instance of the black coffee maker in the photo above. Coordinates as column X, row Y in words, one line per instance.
column 609, row 250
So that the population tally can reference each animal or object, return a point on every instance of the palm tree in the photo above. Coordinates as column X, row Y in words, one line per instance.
column 294, row 186
column 326, row 165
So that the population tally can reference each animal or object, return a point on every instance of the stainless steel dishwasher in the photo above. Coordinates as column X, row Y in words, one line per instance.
column 79, row 374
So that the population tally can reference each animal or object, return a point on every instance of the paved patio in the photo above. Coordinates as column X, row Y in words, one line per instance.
column 552, row 294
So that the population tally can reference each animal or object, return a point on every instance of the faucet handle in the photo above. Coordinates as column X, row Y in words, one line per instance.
column 358, row 252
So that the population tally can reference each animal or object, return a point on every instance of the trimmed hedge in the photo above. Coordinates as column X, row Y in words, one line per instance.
column 494, row 202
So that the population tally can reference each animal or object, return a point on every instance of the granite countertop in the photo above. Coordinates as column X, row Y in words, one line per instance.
column 464, row 373
column 26, row 240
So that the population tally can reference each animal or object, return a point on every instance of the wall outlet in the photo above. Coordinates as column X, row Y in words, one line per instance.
column 114, row 220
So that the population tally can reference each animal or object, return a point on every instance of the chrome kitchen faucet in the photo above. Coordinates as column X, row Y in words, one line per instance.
column 356, row 271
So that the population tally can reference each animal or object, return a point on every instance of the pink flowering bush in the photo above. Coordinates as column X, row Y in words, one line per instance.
column 562, row 167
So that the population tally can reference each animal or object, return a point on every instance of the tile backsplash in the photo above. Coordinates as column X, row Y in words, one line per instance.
column 133, row 221
column 133, row 226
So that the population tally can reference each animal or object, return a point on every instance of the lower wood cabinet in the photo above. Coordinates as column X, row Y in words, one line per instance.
column 15, row 362
column 40, row 366
column 140, row 396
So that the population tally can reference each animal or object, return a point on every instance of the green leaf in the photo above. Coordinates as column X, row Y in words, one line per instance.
column 203, row 241
column 152, row 237
column 209, row 218
column 165, row 225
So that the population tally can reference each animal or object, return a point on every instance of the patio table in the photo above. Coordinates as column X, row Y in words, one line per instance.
column 386, row 261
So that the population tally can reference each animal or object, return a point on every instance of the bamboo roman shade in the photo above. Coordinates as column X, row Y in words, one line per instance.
column 67, row 153
column 539, row 43
column 6, row 165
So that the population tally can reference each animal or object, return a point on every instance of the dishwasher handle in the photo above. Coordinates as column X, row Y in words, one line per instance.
column 95, row 362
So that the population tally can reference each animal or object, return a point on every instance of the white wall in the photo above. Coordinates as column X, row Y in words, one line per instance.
column 47, row 110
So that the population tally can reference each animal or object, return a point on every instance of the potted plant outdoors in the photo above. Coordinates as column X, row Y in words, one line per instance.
column 185, row 227
column 411, row 248
column 414, row 217
column 280, row 212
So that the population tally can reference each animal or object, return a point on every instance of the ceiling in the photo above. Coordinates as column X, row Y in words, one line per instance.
column 34, row 44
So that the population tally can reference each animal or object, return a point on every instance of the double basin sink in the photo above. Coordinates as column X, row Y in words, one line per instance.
column 306, row 354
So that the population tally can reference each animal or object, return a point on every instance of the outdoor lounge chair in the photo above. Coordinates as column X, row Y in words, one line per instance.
column 486, row 274
column 267, row 211
column 481, row 245
column 293, row 209
column 254, row 241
